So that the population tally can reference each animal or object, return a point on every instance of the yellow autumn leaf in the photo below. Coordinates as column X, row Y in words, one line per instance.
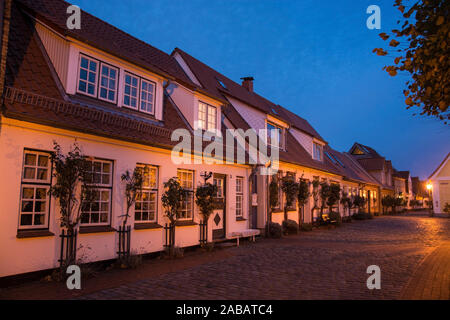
column 440, row 21
column 409, row 101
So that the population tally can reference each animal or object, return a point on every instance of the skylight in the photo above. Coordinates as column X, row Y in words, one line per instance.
column 334, row 159
column 274, row 111
column 330, row 157
column 221, row 83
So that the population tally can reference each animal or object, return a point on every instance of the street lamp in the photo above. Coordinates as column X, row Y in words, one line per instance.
column 429, row 188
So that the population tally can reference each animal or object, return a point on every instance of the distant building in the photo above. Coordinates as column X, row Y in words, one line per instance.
column 440, row 181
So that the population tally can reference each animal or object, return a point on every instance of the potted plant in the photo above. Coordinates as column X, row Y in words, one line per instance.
column 73, row 191
column 171, row 200
column 302, row 197
column 133, row 188
column 273, row 202
column 315, row 196
column 204, row 198
column 290, row 190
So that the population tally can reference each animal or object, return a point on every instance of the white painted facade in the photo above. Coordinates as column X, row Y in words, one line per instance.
column 43, row 253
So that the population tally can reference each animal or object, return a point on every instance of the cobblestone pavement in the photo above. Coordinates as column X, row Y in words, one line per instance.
column 323, row 264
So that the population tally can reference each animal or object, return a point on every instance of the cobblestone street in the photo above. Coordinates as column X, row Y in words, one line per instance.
column 323, row 264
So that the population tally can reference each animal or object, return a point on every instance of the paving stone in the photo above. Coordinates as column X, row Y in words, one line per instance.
column 323, row 264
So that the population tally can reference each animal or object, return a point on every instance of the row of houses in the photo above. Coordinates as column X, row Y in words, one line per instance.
column 122, row 101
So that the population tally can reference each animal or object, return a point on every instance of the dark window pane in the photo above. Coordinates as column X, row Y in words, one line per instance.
column 29, row 173
column 27, row 206
column 39, row 219
column 26, row 219
column 84, row 62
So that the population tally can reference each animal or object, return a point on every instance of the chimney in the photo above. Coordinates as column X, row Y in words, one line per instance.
column 247, row 83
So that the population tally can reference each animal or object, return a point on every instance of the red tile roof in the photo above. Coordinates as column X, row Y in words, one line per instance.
column 106, row 37
column 209, row 77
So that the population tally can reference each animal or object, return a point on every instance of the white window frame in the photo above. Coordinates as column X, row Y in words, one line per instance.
column 319, row 147
column 269, row 135
column 208, row 125
column 153, row 96
column 219, row 187
column 35, row 184
column 101, row 187
column 188, row 204
column 239, row 197
column 151, row 190
column 126, row 73
column 87, row 80
column 116, row 79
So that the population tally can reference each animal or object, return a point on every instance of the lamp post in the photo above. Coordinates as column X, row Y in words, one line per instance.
column 430, row 198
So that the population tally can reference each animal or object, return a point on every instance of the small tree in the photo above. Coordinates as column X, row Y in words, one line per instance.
column 133, row 187
column 73, row 186
column 302, row 197
column 334, row 195
column 290, row 190
column 73, row 191
column 325, row 192
column 359, row 202
column 171, row 200
column 204, row 198
column 315, row 194
column 346, row 201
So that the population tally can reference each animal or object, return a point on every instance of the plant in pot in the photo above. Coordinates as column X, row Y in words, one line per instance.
column 315, row 196
column 325, row 192
column 204, row 198
column 171, row 200
column 133, row 191
column 302, row 197
column 290, row 190
column 359, row 203
column 346, row 202
column 273, row 202
column 74, row 191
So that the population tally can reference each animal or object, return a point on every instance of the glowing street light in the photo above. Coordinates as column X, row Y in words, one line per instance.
column 430, row 199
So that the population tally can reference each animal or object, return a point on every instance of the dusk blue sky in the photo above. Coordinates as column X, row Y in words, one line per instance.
column 312, row 57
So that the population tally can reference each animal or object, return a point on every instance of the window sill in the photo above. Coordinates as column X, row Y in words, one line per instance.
column 147, row 226
column 23, row 234
column 185, row 223
column 96, row 229
column 240, row 219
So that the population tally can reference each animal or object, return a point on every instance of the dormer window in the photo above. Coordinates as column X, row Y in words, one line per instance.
column 317, row 152
column 138, row 93
column 147, row 96
column 108, row 83
column 87, row 76
column 130, row 93
column 207, row 117
column 271, row 126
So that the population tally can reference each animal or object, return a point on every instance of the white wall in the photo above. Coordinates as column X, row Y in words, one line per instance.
column 26, row 255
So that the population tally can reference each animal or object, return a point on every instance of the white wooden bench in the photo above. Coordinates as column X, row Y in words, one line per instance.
column 244, row 234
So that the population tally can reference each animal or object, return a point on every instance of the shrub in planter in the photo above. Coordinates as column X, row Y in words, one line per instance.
column 275, row 230
column 306, row 227
column 335, row 216
column 290, row 227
